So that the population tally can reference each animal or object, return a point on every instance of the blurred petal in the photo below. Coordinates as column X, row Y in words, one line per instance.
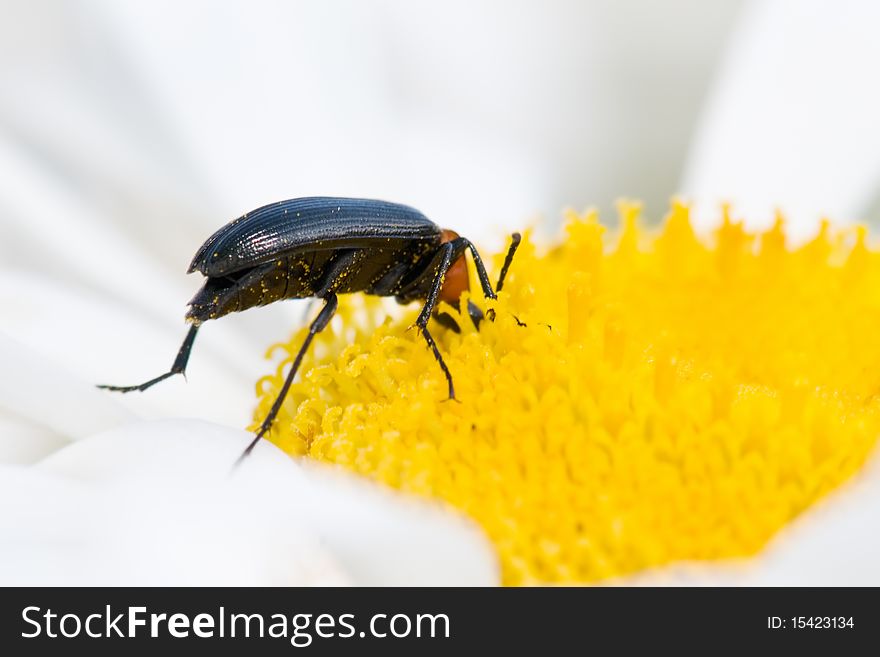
column 180, row 470
column 23, row 441
column 64, row 233
column 792, row 121
column 835, row 544
column 60, row 532
column 42, row 405
column 103, row 342
column 206, row 80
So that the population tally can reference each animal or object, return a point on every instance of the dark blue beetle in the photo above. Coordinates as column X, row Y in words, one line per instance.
column 323, row 246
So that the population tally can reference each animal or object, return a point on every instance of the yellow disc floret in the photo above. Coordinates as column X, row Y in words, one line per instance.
column 661, row 399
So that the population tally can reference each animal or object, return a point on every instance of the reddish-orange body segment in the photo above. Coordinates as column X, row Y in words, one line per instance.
column 456, row 280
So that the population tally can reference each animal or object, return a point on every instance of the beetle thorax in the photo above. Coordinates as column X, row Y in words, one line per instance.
column 456, row 280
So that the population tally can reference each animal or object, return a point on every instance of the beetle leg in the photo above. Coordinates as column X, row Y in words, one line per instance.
column 446, row 252
column 448, row 249
column 178, row 367
column 481, row 269
column 433, row 345
column 319, row 324
column 475, row 313
column 339, row 267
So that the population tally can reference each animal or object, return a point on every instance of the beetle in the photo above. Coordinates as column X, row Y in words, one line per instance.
column 321, row 247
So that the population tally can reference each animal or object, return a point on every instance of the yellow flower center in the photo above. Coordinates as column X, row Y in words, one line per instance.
column 666, row 399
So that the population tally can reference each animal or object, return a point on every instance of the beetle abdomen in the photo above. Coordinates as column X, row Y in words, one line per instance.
column 289, row 277
column 379, row 271
column 310, row 224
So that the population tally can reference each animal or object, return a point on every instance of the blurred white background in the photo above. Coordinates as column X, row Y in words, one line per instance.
column 476, row 112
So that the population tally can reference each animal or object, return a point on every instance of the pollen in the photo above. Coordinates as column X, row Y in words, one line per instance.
column 641, row 398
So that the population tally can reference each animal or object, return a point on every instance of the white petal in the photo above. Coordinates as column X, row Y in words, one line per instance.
column 183, row 468
column 22, row 441
column 834, row 544
column 54, row 531
column 420, row 544
column 42, row 405
column 104, row 342
column 792, row 120
column 60, row 230
column 295, row 148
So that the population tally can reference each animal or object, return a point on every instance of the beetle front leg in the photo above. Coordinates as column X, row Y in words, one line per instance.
column 515, row 239
column 448, row 251
column 178, row 367
column 475, row 313
column 319, row 324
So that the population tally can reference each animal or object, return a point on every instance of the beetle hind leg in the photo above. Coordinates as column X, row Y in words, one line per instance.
column 319, row 324
column 178, row 367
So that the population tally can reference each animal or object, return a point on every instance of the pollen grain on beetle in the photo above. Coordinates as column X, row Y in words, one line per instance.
column 691, row 399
